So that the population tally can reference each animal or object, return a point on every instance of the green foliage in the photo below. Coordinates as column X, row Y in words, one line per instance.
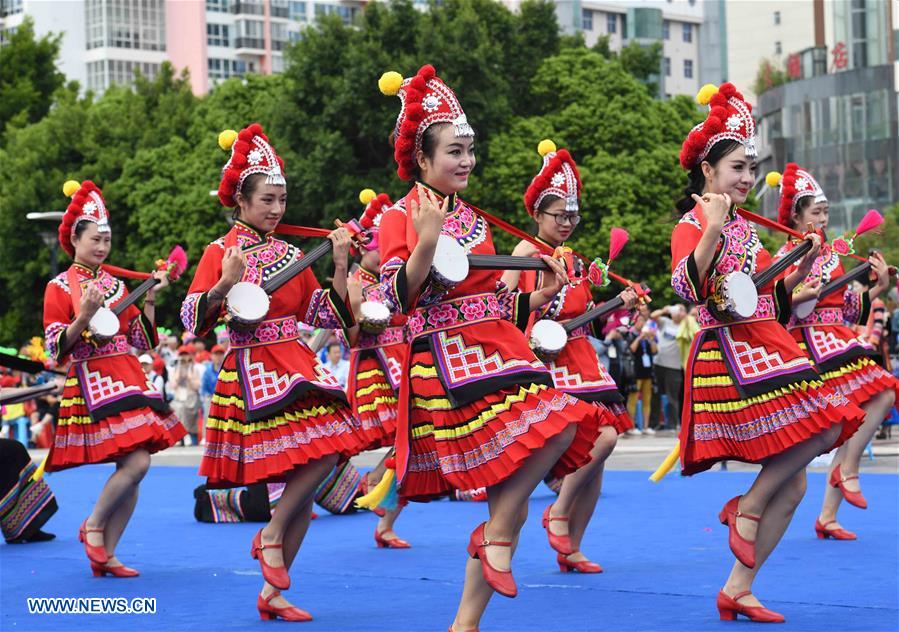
column 28, row 75
column 768, row 76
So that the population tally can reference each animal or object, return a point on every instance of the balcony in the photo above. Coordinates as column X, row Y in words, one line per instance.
column 251, row 43
column 278, row 44
column 248, row 8
column 280, row 12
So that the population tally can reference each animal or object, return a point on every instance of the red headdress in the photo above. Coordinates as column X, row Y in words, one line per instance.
column 729, row 118
column 795, row 184
column 558, row 176
column 375, row 205
column 87, row 204
column 250, row 153
column 425, row 100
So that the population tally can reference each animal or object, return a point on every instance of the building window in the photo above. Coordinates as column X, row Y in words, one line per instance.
column 666, row 63
column 688, row 68
column 221, row 69
column 298, row 11
column 344, row 12
column 217, row 6
column 666, row 25
column 778, row 49
column 134, row 24
column 217, row 35
column 777, row 17
column 688, row 32
column 587, row 20
column 611, row 23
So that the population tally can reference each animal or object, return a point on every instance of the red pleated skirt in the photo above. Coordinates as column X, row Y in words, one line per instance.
column 80, row 440
column 484, row 442
column 723, row 425
column 240, row 452
column 373, row 401
column 860, row 379
column 622, row 420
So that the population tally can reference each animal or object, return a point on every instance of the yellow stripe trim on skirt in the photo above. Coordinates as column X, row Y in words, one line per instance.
column 727, row 407
column 247, row 428
column 379, row 401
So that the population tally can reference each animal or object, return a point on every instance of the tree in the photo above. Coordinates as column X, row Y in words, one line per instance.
column 768, row 76
column 28, row 75
column 626, row 144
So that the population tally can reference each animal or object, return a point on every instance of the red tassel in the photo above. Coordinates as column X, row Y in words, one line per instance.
column 617, row 240
column 178, row 259
column 124, row 272
column 871, row 221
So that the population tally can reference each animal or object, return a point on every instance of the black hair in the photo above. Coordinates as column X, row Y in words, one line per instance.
column 81, row 226
column 247, row 189
column 696, row 182
column 545, row 203
column 335, row 344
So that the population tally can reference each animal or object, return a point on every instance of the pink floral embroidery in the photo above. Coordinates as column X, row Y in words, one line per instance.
column 841, row 246
column 473, row 308
column 441, row 314
column 267, row 332
column 727, row 264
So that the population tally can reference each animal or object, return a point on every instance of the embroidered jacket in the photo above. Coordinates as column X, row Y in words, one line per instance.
column 110, row 377
column 274, row 367
column 474, row 329
column 759, row 352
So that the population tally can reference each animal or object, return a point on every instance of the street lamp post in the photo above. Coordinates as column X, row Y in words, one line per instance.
column 49, row 237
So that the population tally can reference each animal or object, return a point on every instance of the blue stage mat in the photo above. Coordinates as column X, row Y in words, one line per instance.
column 664, row 554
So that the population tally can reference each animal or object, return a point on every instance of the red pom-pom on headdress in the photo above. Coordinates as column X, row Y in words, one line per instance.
column 558, row 176
column 250, row 153
column 729, row 118
column 87, row 204
column 795, row 184
column 425, row 100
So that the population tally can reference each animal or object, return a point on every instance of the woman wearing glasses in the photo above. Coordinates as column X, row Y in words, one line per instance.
column 552, row 200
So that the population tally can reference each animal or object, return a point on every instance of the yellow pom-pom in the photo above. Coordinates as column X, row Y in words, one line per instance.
column 545, row 146
column 706, row 93
column 366, row 196
column 773, row 179
column 227, row 138
column 71, row 187
column 390, row 83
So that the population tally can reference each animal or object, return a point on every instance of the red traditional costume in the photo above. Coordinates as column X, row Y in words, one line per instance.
column 576, row 370
column 376, row 360
column 275, row 407
column 750, row 391
column 108, row 408
column 475, row 401
column 840, row 356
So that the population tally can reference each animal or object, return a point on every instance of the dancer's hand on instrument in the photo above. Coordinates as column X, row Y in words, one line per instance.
column 811, row 290
column 804, row 265
column 629, row 296
column 354, row 292
column 233, row 265
column 91, row 300
column 163, row 277
column 525, row 249
column 715, row 207
column 341, row 240
column 428, row 214
column 554, row 282
column 881, row 269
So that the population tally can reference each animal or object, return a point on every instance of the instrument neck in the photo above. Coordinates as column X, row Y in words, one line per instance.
column 134, row 296
column 298, row 266
column 597, row 312
column 763, row 278
column 841, row 281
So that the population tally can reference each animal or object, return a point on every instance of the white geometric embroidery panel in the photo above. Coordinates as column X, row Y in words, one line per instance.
column 466, row 362
column 826, row 343
column 755, row 362
column 102, row 387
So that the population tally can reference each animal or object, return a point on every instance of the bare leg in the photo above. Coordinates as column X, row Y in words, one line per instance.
column 850, row 453
column 291, row 518
column 385, row 524
column 775, row 473
column 576, row 483
column 116, row 524
column 130, row 470
column 774, row 523
column 505, row 502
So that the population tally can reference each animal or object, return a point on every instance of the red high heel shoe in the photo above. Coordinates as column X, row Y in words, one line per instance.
column 393, row 543
column 728, row 609
column 560, row 543
column 451, row 630
column 101, row 570
column 268, row 612
column 501, row 581
column 853, row 498
column 584, row 566
column 743, row 549
column 275, row 575
column 96, row 554
column 837, row 534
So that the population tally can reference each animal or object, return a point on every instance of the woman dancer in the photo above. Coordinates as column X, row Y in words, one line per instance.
column 552, row 199
column 836, row 351
column 477, row 408
column 276, row 415
column 751, row 394
column 109, row 413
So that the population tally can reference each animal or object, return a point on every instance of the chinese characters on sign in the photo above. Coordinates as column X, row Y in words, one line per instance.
column 794, row 66
column 840, row 57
